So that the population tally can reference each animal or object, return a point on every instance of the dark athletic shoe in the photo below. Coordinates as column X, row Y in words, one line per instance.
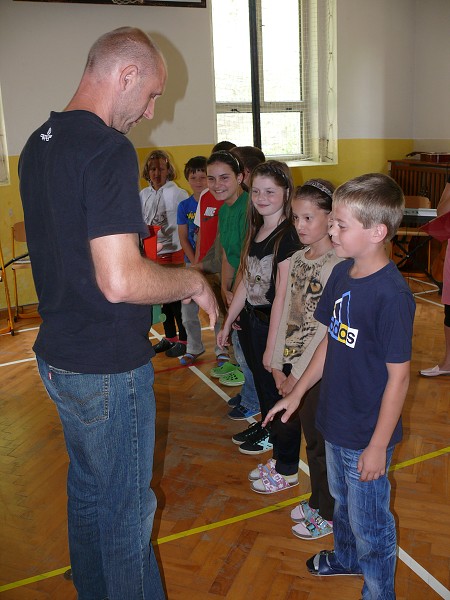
column 163, row 345
column 177, row 349
column 253, row 431
column 257, row 445
column 235, row 401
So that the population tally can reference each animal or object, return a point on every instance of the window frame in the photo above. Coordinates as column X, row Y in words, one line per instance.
column 315, row 143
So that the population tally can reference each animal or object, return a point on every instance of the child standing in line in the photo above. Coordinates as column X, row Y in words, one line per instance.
column 246, row 403
column 159, row 207
column 195, row 173
column 270, row 241
column 364, row 363
column 298, row 336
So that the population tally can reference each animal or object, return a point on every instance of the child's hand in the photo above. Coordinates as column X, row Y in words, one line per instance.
column 222, row 338
column 289, row 404
column 279, row 378
column 372, row 463
column 288, row 385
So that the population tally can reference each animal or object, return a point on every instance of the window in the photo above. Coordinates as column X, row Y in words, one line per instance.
column 4, row 164
column 274, row 65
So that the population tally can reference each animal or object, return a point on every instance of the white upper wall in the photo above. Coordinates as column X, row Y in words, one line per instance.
column 392, row 57
column 44, row 47
column 432, row 70
column 375, row 68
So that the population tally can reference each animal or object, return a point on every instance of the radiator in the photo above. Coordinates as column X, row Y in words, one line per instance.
column 420, row 179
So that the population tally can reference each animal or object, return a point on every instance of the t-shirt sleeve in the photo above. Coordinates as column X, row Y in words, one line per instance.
column 396, row 328
column 111, row 183
column 289, row 244
column 181, row 213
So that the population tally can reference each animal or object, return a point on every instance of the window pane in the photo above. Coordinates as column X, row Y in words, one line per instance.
column 281, row 133
column 281, row 50
column 235, row 127
column 231, row 51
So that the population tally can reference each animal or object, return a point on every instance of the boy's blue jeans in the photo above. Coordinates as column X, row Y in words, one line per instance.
column 108, row 423
column 363, row 526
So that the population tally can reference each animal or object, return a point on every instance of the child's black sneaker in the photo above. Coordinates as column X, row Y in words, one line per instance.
column 258, row 444
column 253, row 431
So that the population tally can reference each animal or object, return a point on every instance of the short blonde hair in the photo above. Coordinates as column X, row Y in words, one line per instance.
column 159, row 155
column 373, row 198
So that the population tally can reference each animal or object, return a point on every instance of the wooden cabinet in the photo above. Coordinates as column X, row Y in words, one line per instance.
column 420, row 178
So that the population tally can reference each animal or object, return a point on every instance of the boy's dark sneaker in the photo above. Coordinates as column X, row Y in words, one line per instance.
column 258, row 444
column 253, row 431
column 234, row 401
column 240, row 413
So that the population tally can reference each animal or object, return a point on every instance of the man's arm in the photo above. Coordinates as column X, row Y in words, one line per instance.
column 123, row 275
column 372, row 462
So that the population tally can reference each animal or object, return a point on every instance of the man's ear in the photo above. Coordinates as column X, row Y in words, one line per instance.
column 128, row 76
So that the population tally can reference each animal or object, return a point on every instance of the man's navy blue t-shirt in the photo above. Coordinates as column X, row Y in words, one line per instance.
column 79, row 181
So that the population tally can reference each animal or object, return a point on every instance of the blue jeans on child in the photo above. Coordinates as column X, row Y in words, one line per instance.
column 249, row 397
column 363, row 526
column 108, row 423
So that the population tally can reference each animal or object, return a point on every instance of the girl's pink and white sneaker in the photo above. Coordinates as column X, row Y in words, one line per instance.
column 314, row 529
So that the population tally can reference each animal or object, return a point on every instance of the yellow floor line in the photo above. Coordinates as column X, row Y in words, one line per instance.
column 243, row 517
column 16, row 584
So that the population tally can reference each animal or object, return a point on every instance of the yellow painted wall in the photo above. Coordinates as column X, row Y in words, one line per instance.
column 355, row 157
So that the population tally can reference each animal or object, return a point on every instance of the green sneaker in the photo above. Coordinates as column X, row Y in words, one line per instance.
column 235, row 377
column 226, row 368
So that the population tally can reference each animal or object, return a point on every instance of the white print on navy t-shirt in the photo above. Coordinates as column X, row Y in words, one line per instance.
column 339, row 328
column 47, row 136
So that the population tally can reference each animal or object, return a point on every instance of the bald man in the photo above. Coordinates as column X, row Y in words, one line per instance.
column 79, row 182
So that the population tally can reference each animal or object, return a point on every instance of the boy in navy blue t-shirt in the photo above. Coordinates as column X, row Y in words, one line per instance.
column 364, row 363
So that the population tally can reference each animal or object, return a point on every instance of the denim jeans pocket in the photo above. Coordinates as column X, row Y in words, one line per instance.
column 84, row 395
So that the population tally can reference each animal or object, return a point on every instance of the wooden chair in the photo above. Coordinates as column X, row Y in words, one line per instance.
column 3, row 280
column 19, row 262
column 411, row 248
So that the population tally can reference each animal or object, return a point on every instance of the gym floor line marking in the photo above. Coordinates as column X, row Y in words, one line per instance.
column 403, row 556
column 16, row 362
column 417, row 568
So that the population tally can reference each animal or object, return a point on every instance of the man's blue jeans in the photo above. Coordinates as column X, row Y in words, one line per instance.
column 109, row 429
column 363, row 526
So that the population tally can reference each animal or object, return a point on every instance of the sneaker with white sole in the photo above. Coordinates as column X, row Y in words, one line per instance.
column 256, row 473
column 258, row 444
column 223, row 369
column 253, row 431
column 314, row 529
column 241, row 413
column 271, row 482
column 303, row 512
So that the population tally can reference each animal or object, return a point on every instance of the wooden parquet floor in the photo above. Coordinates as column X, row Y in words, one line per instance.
column 214, row 538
